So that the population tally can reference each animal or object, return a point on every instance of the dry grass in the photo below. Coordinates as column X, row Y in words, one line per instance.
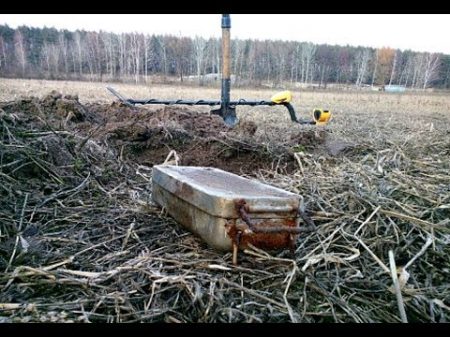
column 368, row 111
column 104, row 252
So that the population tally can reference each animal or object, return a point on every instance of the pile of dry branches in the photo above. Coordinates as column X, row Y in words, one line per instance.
column 80, row 239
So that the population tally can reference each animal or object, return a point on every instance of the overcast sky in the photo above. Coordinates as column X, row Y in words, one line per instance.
column 419, row 32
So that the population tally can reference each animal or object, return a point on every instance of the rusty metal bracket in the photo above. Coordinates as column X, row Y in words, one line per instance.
column 236, row 243
column 242, row 208
column 249, row 228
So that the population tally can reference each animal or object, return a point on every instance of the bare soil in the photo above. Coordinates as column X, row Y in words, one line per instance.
column 147, row 136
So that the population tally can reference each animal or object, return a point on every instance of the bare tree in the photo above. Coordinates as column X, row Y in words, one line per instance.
column 79, row 46
column 109, row 52
column 324, row 58
column 123, row 55
column 45, row 52
column 393, row 67
column 3, row 54
column 136, row 55
column 98, row 54
column 90, row 55
column 146, row 47
column 20, row 50
column 238, row 57
column 251, row 62
column 217, row 54
column 280, row 56
column 90, row 62
column 375, row 67
column 417, row 70
column 307, row 56
column 54, row 54
column 431, row 69
column 362, row 57
column 267, row 60
column 405, row 72
column 297, row 60
column 199, row 54
column 385, row 64
column 64, row 51
column 293, row 64
column 182, row 52
column 162, row 45
column 303, row 63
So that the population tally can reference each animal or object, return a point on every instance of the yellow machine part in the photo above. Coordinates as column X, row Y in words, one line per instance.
column 282, row 97
column 321, row 116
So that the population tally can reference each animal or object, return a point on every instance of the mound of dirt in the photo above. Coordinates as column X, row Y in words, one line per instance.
column 54, row 111
column 147, row 135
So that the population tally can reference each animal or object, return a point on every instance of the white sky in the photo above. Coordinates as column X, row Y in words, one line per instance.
column 418, row 32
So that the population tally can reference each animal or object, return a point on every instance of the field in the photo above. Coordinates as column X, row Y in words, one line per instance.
column 81, row 241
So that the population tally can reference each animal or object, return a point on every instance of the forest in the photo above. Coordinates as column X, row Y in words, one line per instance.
column 48, row 53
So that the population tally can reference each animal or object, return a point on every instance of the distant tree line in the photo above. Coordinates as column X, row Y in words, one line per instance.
column 49, row 53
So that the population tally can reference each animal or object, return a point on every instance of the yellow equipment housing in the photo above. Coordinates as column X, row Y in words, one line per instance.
column 282, row 97
column 321, row 116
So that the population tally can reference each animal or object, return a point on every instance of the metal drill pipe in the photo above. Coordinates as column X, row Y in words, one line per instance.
column 231, row 104
column 197, row 102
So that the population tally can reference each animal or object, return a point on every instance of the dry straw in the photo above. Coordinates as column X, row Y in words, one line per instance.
column 80, row 239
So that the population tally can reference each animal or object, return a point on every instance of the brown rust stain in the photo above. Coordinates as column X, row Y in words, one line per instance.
column 268, row 241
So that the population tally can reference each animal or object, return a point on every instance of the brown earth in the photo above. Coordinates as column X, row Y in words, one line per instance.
column 147, row 136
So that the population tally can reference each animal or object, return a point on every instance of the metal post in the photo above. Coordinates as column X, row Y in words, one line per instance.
column 228, row 113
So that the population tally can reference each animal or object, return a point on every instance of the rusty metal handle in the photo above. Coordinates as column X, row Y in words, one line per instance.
column 241, row 205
